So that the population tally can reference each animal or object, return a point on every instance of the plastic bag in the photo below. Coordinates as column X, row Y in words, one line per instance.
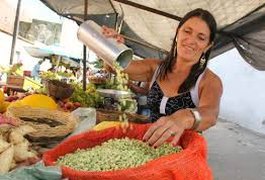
column 87, row 118
column 34, row 172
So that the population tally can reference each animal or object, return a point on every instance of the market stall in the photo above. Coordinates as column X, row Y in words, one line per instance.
column 44, row 123
column 63, row 118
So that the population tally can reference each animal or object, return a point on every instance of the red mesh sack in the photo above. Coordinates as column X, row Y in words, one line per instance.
column 189, row 164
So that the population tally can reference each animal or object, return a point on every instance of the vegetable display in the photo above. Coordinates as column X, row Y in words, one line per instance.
column 115, row 154
column 88, row 98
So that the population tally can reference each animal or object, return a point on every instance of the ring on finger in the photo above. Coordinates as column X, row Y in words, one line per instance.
column 172, row 133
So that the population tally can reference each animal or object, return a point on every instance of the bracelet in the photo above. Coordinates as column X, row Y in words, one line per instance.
column 197, row 118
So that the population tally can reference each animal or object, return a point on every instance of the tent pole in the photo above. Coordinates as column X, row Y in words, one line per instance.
column 116, row 14
column 156, row 11
column 15, row 32
column 84, row 51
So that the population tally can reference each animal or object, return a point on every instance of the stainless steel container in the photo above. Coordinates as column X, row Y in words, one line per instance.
column 115, row 94
column 108, row 49
column 113, row 99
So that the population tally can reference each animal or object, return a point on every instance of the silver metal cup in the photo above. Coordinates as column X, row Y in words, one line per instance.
column 108, row 49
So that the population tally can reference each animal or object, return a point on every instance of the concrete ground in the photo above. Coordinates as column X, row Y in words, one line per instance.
column 235, row 153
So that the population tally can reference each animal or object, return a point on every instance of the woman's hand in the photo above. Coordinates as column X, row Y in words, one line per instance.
column 108, row 68
column 111, row 33
column 164, row 128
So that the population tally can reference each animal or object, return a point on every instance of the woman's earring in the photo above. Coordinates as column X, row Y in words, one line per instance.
column 202, row 61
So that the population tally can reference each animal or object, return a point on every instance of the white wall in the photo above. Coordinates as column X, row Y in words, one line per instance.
column 69, row 38
column 243, row 99
column 5, row 51
column 30, row 9
column 70, row 41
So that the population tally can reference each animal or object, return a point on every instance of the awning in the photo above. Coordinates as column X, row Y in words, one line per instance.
column 43, row 51
column 149, row 26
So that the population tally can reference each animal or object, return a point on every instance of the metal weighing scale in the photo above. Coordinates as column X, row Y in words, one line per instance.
column 112, row 97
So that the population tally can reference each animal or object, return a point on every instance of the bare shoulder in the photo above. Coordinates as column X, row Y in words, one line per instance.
column 210, row 91
column 211, row 76
column 212, row 80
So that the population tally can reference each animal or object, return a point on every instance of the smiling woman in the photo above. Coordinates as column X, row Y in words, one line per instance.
column 183, row 93
column 193, row 39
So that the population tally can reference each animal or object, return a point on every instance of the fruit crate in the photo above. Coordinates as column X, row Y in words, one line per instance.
column 15, row 81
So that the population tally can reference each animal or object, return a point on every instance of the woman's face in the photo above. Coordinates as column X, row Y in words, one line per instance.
column 193, row 39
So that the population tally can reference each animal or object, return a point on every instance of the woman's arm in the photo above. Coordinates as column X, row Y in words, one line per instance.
column 209, row 100
column 139, row 89
column 142, row 70
column 210, row 92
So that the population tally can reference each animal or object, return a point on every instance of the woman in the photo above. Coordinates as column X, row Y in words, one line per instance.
column 183, row 94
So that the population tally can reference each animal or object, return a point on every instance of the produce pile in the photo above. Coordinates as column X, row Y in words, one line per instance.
column 88, row 98
column 16, row 133
column 54, row 76
column 100, row 77
column 115, row 154
column 24, row 135
column 15, row 150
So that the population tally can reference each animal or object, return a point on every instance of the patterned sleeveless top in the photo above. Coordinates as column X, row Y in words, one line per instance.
column 161, row 105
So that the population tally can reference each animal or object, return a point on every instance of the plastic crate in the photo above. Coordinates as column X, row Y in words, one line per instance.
column 15, row 81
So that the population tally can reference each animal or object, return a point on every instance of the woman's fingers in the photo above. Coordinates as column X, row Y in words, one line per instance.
column 167, row 134
column 163, row 129
column 157, row 135
column 150, row 132
column 120, row 39
column 156, row 132
column 176, row 138
column 108, row 34
column 153, row 128
column 111, row 33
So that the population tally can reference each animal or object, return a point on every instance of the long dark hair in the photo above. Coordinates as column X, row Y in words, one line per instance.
column 166, row 66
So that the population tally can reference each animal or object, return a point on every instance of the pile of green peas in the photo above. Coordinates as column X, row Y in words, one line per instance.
column 115, row 154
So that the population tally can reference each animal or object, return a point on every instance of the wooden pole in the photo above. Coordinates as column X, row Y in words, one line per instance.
column 15, row 32
column 156, row 11
column 84, row 51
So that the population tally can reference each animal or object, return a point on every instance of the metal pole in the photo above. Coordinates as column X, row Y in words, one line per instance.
column 84, row 51
column 15, row 32
column 146, row 8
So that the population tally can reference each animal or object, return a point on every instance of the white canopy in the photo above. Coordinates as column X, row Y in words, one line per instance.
column 149, row 25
